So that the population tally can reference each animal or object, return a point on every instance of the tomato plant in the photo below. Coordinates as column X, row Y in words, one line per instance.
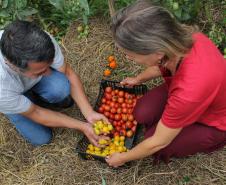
column 15, row 9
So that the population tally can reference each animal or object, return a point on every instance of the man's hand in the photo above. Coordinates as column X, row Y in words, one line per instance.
column 95, row 116
column 130, row 81
column 89, row 132
column 115, row 160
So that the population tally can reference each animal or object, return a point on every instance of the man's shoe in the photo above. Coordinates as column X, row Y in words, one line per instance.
column 65, row 103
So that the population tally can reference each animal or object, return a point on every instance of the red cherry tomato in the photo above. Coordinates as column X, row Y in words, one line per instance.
column 124, row 110
column 108, row 96
column 123, row 105
column 113, row 110
column 107, row 108
column 119, row 124
column 120, row 100
column 129, row 124
column 129, row 105
column 124, row 117
column 126, row 95
column 115, row 123
column 108, row 89
column 103, row 100
column 118, row 117
column 130, row 117
column 130, row 101
column 121, row 93
column 107, row 114
column 130, row 111
column 112, row 104
column 101, row 110
column 112, row 116
column 116, row 105
column 129, row 133
column 115, row 98
column 113, row 93
column 123, row 132
column 116, row 134
column 116, row 91
column 130, row 96
column 119, row 110
column 118, row 128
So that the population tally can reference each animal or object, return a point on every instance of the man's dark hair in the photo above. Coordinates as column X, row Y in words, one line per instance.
column 23, row 42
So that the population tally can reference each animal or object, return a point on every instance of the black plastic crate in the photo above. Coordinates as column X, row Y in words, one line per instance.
column 83, row 143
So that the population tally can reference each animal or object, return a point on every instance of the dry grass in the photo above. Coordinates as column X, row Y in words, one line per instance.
column 58, row 164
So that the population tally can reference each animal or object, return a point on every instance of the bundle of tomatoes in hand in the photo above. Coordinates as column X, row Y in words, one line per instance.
column 106, row 146
column 117, row 105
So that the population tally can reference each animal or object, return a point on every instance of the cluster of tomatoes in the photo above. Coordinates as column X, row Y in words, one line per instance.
column 112, row 64
column 102, row 128
column 108, row 147
column 117, row 106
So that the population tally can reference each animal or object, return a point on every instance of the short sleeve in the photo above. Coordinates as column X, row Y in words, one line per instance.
column 179, row 113
column 58, row 58
column 14, row 104
column 185, row 107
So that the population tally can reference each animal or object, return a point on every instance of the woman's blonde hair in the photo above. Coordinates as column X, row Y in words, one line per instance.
column 144, row 29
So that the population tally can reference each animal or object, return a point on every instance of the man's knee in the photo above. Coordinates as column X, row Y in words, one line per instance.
column 59, row 89
column 44, row 138
column 56, row 87
column 34, row 133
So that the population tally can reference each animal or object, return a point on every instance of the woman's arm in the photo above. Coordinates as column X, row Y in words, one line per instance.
column 162, row 137
column 147, row 74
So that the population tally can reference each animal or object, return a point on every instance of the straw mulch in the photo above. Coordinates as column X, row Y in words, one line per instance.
column 58, row 164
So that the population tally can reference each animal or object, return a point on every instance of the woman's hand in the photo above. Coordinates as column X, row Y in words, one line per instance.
column 115, row 160
column 130, row 81
column 162, row 137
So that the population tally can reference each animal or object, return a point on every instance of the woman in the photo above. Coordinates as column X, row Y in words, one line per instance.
column 187, row 114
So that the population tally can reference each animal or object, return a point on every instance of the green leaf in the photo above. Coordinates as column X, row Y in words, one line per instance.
column 20, row 4
column 197, row 6
column 178, row 13
column 185, row 16
column 84, row 4
column 103, row 181
column 224, row 20
column 85, row 19
column 186, row 179
column 27, row 12
column 4, row 13
column 59, row 4
column 4, row 3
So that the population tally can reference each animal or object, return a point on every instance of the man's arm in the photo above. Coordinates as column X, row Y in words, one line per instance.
column 51, row 118
column 78, row 94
